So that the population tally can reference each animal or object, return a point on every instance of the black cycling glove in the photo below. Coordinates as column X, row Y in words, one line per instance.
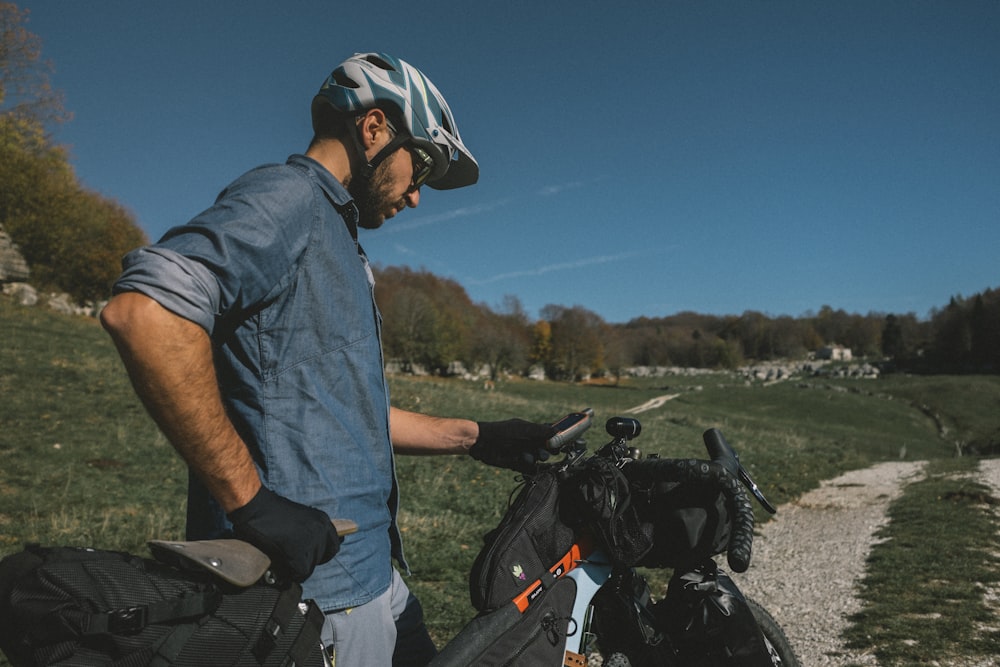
column 297, row 538
column 516, row 444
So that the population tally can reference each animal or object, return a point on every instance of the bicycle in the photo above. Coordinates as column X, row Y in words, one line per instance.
column 607, row 616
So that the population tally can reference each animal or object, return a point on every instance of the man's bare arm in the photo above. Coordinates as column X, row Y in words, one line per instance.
column 414, row 433
column 169, row 360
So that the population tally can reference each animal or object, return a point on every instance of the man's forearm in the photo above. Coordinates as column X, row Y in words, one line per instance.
column 169, row 360
column 414, row 433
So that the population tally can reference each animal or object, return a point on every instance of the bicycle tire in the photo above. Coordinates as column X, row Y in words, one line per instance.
column 777, row 643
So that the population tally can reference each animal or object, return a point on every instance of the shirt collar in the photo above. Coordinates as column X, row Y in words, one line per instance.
column 334, row 189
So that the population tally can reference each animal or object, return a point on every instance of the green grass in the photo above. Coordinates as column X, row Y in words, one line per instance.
column 81, row 463
column 924, row 588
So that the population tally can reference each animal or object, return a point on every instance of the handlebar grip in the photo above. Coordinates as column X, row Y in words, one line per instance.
column 741, row 540
column 713, row 473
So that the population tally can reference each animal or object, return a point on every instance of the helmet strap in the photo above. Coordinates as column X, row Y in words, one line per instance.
column 369, row 167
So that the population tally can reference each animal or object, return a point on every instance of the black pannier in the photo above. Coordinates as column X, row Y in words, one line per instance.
column 79, row 606
column 710, row 621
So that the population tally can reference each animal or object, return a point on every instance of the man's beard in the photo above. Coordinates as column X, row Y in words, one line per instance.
column 372, row 198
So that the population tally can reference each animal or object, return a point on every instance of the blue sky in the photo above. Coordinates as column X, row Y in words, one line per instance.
column 637, row 158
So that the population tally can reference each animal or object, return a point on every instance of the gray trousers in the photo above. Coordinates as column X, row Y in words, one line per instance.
column 389, row 630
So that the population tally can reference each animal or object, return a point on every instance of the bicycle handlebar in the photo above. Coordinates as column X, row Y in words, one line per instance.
column 723, row 471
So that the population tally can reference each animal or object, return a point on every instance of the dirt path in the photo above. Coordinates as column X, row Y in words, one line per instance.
column 809, row 557
column 651, row 404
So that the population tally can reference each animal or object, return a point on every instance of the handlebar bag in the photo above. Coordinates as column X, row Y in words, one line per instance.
column 599, row 497
column 530, row 538
column 690, row 521
column 78, row 606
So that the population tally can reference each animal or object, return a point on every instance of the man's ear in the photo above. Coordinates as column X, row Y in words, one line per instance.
column 374, row 130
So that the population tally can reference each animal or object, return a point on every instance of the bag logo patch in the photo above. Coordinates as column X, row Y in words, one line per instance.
column 518, row 572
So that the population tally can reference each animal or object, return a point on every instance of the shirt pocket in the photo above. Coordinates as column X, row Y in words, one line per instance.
column 320, row 311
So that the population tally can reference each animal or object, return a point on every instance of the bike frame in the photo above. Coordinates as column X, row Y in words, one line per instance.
column 590, row 568
column 589, row 575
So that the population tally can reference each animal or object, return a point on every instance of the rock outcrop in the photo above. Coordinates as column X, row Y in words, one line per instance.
column 13, row 268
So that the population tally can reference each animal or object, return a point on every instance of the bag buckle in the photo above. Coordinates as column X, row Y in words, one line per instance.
column 127, row 620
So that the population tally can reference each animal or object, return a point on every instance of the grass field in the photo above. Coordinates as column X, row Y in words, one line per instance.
column 81, row 463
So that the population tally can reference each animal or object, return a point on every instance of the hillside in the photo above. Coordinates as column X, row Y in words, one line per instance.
column 81, row 463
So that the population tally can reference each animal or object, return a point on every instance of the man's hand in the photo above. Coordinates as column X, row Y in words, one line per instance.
column 514, row 444
column 297, row 538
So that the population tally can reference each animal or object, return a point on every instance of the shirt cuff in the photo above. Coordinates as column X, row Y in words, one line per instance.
column 178, row 283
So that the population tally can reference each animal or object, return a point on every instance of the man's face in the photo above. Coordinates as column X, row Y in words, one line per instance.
column 387, row 192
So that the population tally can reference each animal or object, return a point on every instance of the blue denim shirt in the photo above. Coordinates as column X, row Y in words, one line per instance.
column 273, row 271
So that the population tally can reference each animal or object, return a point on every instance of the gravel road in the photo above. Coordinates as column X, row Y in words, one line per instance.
column 809, row 557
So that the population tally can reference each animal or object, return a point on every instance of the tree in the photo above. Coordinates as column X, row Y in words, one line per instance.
column 410, row 323
column 95, row 233
column 541, row 343
column 72, row 239
column 576, row 341
column 427, row 320
column 893, row 345
column 25, row 90
column 500, row 340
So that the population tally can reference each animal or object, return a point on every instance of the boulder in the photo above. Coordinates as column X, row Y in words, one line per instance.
column 22, row 293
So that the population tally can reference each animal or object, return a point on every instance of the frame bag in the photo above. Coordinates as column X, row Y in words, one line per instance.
column 508, row 636
column 78, row 606
column 529, row 540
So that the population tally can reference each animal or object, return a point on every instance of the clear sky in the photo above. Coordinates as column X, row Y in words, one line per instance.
column 637, row 158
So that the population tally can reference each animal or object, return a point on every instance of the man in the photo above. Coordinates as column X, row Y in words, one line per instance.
column 252, row 336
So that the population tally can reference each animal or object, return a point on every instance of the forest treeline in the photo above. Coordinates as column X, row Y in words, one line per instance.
column 73, row 240
column 430, row 322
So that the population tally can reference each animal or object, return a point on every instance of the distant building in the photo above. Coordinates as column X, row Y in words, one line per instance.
column 834, row 353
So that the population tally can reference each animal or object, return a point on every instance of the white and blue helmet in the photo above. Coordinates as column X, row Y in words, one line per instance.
column 368, row 80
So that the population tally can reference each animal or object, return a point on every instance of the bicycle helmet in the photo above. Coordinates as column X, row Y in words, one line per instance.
column 367, row 80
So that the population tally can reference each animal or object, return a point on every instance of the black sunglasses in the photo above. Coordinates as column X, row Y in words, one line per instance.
column 423, row 163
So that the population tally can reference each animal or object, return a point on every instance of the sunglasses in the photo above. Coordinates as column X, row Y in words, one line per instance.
column 423, row 163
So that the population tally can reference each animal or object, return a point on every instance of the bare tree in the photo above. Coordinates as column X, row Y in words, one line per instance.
column 25, row 89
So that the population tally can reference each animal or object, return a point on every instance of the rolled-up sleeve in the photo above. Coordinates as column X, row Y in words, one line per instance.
column 178, row 283
column 231, row 256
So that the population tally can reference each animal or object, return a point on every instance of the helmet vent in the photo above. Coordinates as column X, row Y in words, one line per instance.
column 343, row 80
column 378, row 62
